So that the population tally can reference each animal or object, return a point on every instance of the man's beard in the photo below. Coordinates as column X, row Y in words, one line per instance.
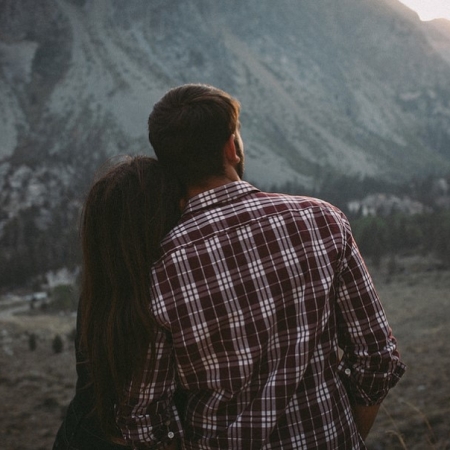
column 240, row 165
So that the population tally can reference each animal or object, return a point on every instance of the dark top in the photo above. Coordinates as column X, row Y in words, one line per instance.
column 81, row 430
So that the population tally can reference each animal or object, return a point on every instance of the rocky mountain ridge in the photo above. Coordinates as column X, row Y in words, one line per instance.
column 348, row 87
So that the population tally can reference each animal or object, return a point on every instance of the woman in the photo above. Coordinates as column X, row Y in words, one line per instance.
column 127, row 212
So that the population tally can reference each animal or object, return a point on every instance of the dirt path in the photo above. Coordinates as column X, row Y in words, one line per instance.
column 35, row 386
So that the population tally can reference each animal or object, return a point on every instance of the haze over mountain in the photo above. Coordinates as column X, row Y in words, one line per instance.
column 347, row 87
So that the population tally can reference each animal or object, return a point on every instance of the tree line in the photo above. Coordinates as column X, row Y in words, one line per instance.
column 28, row 251
column 423, row 234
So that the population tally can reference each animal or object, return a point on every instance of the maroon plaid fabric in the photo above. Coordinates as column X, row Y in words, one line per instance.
column 255, row 293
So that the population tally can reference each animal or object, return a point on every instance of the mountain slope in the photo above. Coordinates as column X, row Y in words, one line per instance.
column 348, row 87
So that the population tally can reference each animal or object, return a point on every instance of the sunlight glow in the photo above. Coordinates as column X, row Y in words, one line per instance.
column 429, row 9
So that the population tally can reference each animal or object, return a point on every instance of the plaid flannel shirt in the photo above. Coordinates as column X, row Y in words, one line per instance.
column 255, row 293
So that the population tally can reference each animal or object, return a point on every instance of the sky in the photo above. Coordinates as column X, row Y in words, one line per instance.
column 430, row 9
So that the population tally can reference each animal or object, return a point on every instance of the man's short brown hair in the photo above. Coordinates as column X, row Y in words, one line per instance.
column 188, row 129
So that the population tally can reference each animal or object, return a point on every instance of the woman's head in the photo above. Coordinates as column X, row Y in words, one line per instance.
column 129, row 208
column 127, row 212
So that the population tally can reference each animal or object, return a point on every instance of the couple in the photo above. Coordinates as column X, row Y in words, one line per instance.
column 217, row 316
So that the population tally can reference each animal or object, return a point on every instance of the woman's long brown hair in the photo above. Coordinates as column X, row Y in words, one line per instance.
column 127, row 212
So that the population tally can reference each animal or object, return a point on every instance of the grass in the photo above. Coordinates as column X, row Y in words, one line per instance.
column 416, row 413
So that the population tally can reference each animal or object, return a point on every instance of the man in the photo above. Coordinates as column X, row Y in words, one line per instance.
column 254, row 293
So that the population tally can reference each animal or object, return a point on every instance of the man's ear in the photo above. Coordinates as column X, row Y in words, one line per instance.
column 230, row 151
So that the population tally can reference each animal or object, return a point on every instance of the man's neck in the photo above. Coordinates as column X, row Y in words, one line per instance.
column 210, row 183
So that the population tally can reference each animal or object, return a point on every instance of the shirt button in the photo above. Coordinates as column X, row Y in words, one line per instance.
column 348, row 372
column 167, row 423
column 170, row 434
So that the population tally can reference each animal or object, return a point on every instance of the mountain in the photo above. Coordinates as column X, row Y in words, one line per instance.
column 354, row 87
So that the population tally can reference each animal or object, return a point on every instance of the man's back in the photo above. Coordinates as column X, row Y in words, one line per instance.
column 255, row 290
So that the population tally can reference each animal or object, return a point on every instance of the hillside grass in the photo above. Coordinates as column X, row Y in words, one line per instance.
column 37, row 385
column 416, row 413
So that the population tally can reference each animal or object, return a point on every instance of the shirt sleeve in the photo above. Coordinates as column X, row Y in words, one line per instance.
column 371, row 364
column 147, row 416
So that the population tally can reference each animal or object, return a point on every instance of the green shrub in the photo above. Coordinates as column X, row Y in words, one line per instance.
column 32, row 342
column 57, row 344
column 63, row 298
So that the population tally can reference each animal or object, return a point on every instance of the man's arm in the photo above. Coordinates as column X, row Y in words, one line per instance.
column 364, row 418
column 371, row 363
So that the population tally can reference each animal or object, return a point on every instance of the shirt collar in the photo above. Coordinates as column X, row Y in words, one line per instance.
column 221, row 195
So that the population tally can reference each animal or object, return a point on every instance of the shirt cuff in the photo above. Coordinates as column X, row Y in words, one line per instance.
column 368, row 388
column 151, row 431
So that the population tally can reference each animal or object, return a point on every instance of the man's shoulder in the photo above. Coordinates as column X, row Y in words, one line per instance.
column 254, row 207
column 298, row 202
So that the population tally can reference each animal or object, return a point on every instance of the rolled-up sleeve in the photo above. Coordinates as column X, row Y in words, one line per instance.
column 147, row 415
column 371, row 363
